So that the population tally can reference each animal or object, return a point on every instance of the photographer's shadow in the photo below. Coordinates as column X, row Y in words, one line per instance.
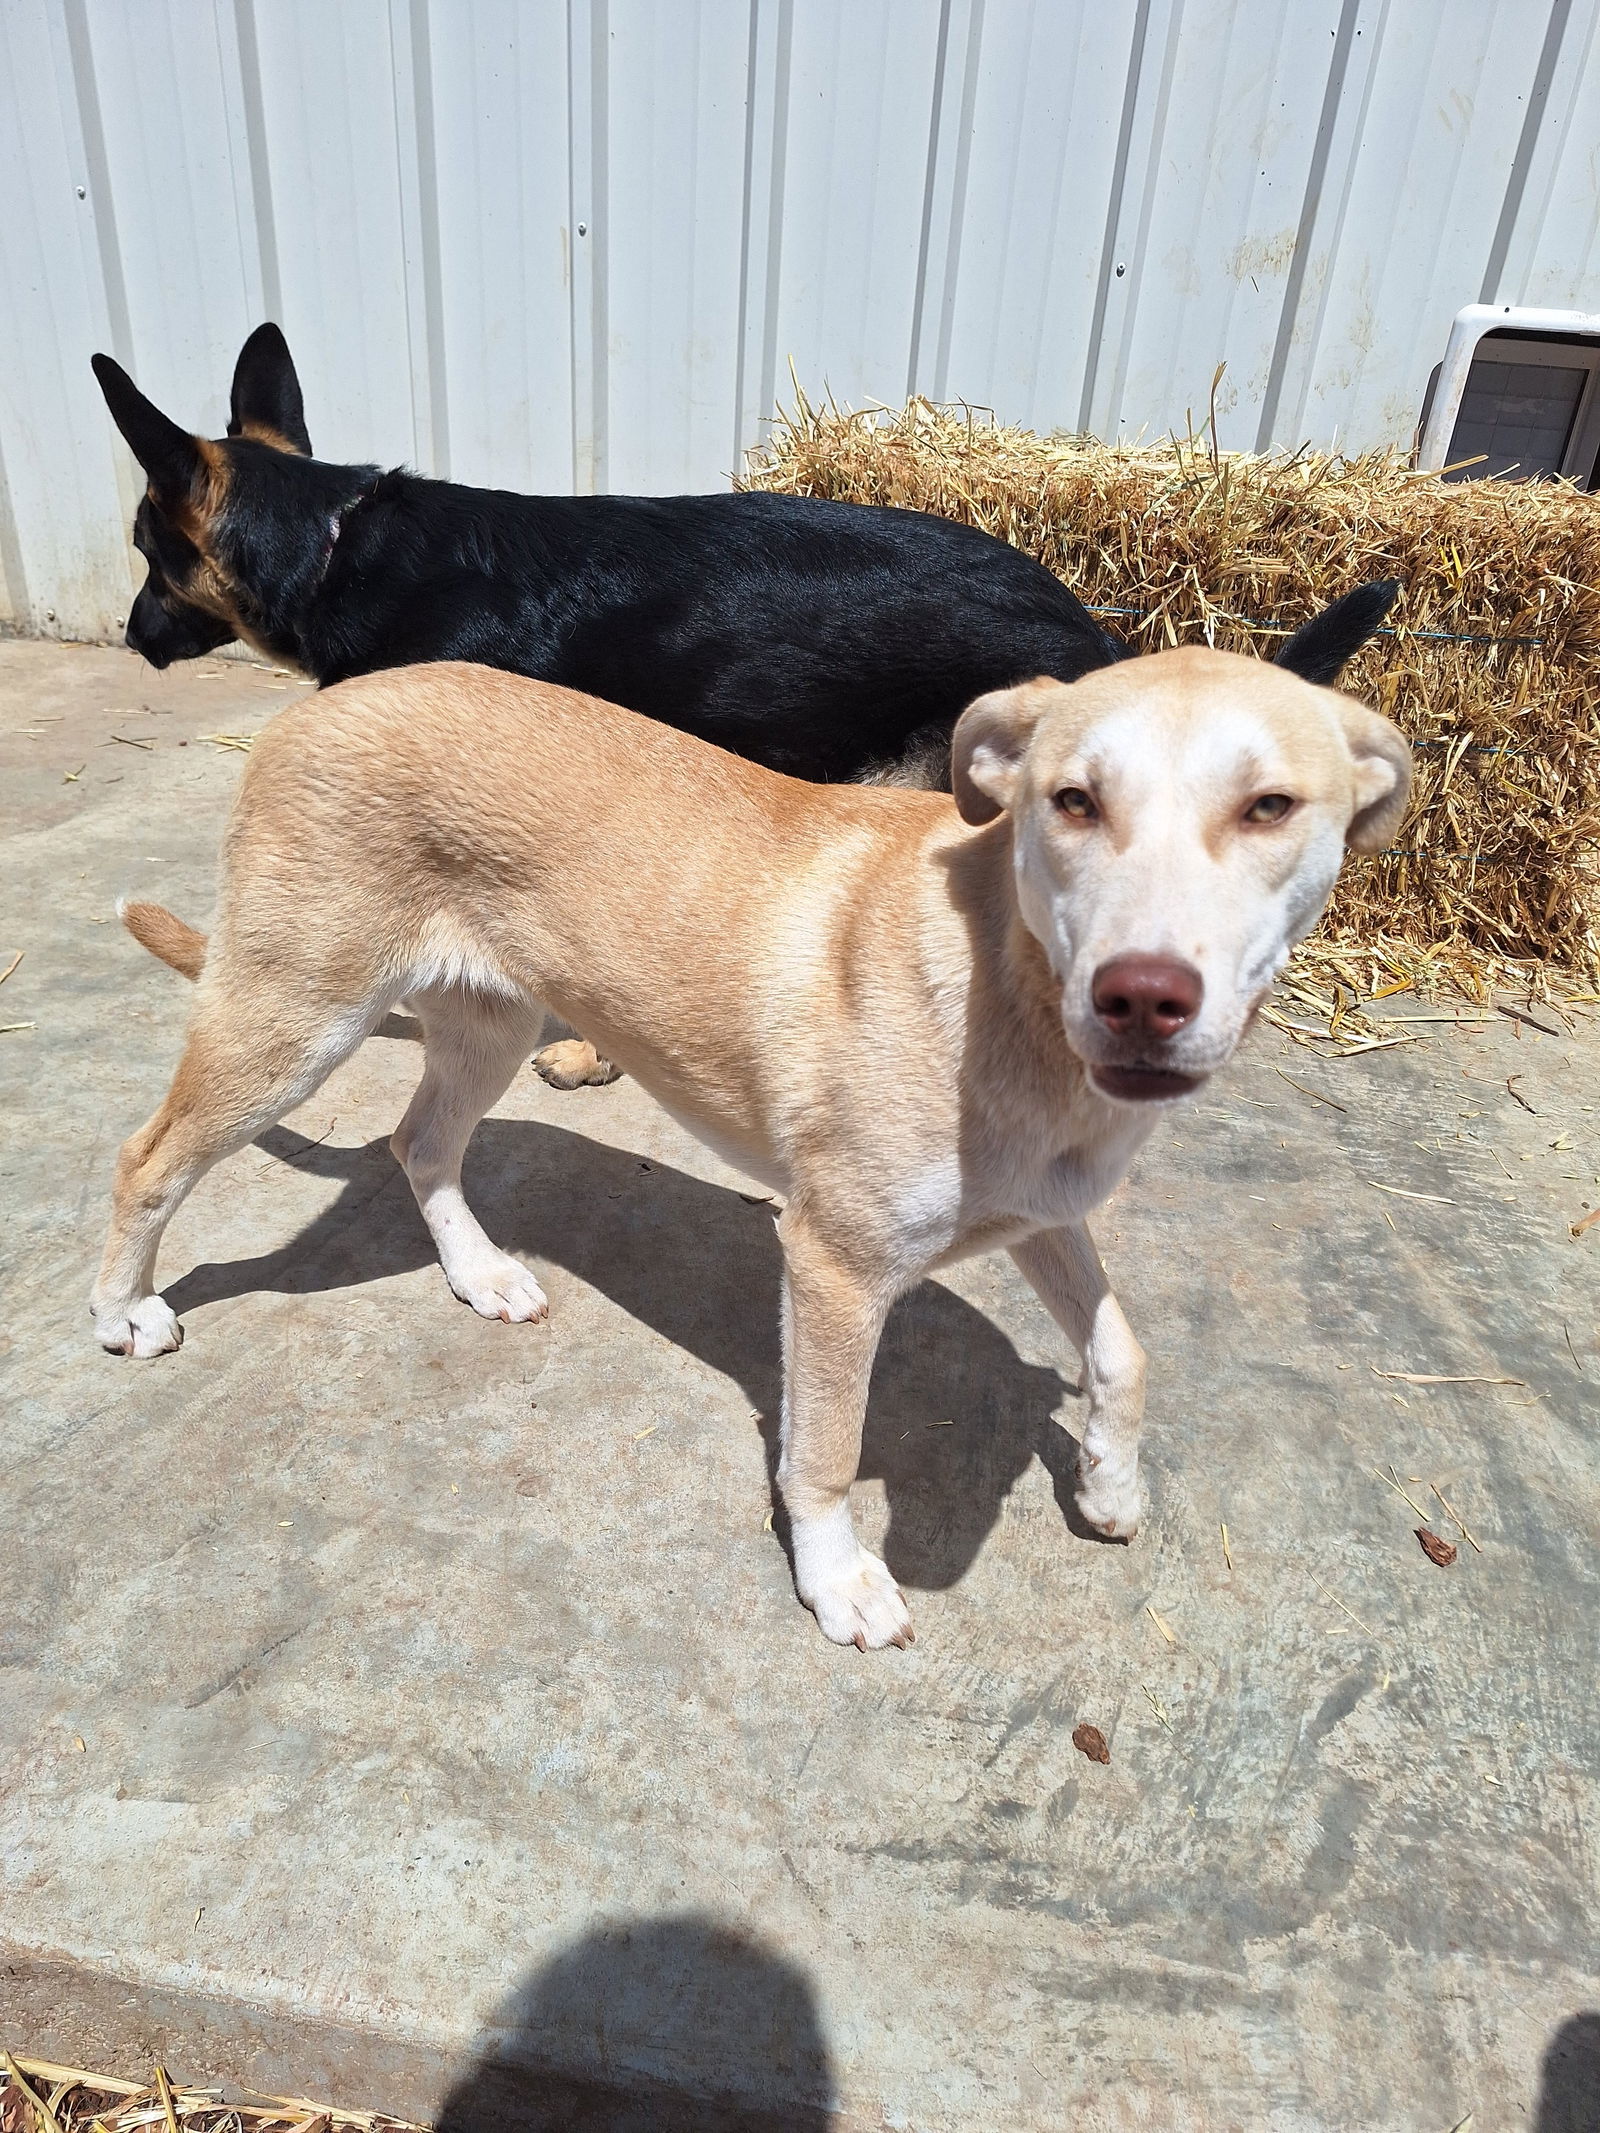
column 661, row 2025
column 1569, row 2078
column 955, row 1414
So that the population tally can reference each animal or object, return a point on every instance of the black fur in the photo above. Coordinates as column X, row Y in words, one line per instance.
column 816, row 637
column 823, row 639
column 828, row 640
column 266, row 390
column 169, row 455
column 1319, row 650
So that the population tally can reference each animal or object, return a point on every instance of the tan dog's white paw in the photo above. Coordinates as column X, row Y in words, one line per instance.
column 862, row 1606
column 850, row 1592
column 149, row 1328
column 498, row 1286
column 1110, row 1501
column 574, row 1064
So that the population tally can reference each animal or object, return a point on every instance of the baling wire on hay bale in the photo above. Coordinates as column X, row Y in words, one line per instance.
column 1491, row 668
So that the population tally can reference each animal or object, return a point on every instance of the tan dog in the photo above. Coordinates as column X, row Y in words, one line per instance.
column 1030, row 978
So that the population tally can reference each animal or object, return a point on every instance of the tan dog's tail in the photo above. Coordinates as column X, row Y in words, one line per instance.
column 176, row 942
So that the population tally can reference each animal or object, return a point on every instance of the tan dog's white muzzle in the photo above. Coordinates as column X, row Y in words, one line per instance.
column 1143, row 1002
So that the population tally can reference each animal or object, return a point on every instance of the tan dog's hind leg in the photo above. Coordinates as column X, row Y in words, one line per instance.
column 573, row 1063
column 1064, row 1268
column 474, row 1047
column 831, row 1324
column 250, row 1057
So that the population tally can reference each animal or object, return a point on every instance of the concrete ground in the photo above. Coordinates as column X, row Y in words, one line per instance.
column 416, row 1711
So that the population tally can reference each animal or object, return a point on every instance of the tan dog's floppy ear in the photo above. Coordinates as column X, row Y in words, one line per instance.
column 1382, row 758
column 987, row 748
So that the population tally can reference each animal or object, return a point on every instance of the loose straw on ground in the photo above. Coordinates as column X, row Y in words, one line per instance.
column 73, row 2099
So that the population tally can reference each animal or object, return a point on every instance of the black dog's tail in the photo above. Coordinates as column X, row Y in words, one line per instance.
column 1316, row 652
column 1319, row 650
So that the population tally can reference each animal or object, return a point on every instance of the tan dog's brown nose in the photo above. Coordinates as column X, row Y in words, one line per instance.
column 1147, row 995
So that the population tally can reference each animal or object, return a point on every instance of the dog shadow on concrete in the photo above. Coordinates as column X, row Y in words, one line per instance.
column 661, row 2025
column 1569, row 2078
column 955, row 1415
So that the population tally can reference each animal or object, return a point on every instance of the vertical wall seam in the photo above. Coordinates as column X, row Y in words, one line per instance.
column 224, row 41
column 402, row 111
column 1576, row 61
column 929, row 185
column 1310, row 208
column 580, row 87
column 746, row 221
column 1355, row 133
column 13, row 569
column 428, row 225
column 958, row 198
column 1045, row 335
column 1119, row 179
column 771, row 295
column 588, row 37
column 1147, row 204
column 18, row 609
column 98, row 175
column 1527, row 142
column 599, row 227
column 255, row 136
column 577, row 279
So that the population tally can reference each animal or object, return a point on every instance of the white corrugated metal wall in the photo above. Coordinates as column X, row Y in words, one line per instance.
column 570, row 244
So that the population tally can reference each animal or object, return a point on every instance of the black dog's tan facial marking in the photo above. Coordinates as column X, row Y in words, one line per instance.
column 179, row 611
column 189, row 602
column 208, row 503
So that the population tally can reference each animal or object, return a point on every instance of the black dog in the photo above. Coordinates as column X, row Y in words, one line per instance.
column 827, row 640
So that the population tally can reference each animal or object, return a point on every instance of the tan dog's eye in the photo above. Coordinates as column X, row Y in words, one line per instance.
column 1271, row 807
column 1074, row 801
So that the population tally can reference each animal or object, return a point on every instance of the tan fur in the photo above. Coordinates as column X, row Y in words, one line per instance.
column 171, row 939
column 207, row 584
column 264, row 433
column 194, row 514
column 573, row 1063
column 486, row 846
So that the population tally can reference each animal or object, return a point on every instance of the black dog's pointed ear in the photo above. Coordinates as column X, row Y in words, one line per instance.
column 168, row 454
column 266, row 400
column 1319, row 650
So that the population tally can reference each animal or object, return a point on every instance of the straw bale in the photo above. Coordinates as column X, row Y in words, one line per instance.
column 1491, row 665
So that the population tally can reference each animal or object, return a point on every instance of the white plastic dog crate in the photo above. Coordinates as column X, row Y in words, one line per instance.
column 1517, row 397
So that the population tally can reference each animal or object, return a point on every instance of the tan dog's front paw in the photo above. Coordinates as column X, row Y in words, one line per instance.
column 498, row 1286
column 1110, row 1501
column 850, row 1592
column 149, row 1327
column 574, row 1064
column 863, row 1606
